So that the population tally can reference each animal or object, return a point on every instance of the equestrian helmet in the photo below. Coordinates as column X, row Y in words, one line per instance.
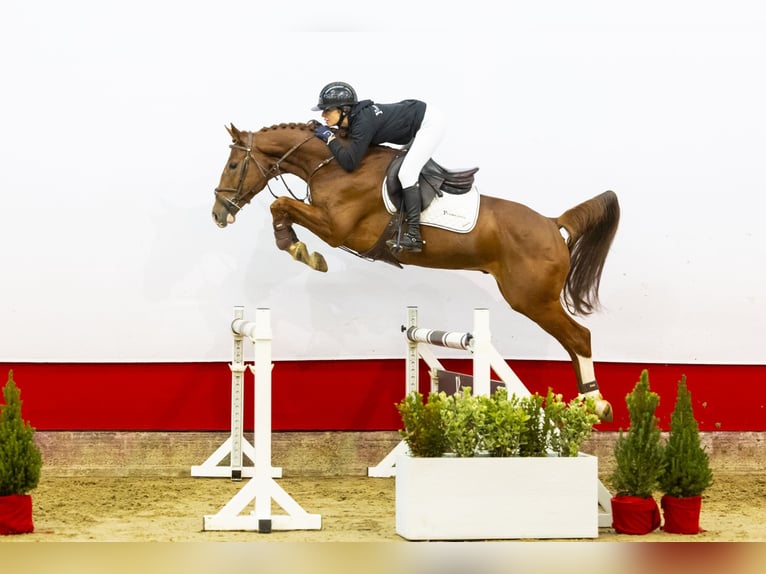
column 334, row 95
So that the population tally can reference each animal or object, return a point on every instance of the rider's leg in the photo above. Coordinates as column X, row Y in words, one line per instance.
column 411, row 240
column 421, row 150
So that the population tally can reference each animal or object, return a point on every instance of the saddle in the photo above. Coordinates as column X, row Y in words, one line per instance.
column 433, row 181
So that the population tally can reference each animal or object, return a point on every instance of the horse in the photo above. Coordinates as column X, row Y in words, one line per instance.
column 546, row 268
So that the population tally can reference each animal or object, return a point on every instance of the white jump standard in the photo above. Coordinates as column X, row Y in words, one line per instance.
column 236, row 446
column 262, row 488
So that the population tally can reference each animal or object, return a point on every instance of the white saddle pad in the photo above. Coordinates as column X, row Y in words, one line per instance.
column 452, row 212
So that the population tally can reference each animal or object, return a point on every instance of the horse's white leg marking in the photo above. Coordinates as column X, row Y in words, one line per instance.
column 588, row 387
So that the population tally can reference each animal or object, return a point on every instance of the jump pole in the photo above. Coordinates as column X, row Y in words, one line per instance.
column 261, row 488
column 478, row 343
column 236, row 446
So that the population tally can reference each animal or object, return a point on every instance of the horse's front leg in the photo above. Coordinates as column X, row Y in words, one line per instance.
column 287, row 239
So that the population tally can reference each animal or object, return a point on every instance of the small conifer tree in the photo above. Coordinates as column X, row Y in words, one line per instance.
column 20, row 459
column 639, row 453
column 686, row 466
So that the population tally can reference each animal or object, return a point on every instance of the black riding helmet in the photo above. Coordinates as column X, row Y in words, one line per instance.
column 335, row 95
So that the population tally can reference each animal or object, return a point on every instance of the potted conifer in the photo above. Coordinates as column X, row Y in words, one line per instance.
column 686, row 468
column 638, row 464
column 20, row 464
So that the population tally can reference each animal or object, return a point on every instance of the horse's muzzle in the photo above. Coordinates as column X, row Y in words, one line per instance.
column 222, row 218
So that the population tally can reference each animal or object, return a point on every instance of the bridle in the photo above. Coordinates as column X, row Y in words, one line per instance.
column 243, row 196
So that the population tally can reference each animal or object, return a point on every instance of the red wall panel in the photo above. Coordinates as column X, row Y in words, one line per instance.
column 342, row 395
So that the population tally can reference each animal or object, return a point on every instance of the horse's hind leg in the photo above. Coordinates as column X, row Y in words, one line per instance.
column 576, row 341
column 549, row 314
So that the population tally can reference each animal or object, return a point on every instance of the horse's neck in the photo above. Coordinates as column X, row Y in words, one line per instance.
column 310, row 159
column 304, row 159
column 334, row 186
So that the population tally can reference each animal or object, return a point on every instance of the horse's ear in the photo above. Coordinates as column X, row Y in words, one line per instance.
column 233, row 132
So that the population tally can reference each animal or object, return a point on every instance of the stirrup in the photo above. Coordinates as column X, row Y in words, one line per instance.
column 408, row 243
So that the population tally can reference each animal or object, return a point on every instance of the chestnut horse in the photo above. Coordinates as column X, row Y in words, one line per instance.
column 537, row 270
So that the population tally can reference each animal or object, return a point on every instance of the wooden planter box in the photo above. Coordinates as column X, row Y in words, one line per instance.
column 484, row 498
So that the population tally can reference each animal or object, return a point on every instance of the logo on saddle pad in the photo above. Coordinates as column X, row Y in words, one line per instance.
column 455, row 210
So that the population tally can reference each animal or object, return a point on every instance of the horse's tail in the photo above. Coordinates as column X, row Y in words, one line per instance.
column 591, row 227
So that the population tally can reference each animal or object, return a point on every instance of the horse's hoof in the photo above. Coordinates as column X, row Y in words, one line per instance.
column 604, row 410
column 318, row 262
column 300, row 253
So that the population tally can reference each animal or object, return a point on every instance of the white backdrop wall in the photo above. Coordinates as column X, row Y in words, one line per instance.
column 112, row 140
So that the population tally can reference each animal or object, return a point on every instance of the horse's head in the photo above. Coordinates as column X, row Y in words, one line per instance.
column 255, row 158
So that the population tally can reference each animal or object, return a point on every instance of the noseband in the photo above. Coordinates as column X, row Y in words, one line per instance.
column 243, row 196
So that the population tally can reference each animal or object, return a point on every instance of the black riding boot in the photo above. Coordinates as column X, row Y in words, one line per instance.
column 411, row 240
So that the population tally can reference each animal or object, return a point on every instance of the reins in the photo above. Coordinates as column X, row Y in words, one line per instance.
column 240, row 198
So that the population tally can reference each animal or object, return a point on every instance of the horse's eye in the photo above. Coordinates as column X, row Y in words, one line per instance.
column 233, row 165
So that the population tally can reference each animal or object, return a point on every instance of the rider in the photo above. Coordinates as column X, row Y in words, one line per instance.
column 410, row 123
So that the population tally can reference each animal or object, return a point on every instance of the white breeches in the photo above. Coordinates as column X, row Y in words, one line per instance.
column 422, row 148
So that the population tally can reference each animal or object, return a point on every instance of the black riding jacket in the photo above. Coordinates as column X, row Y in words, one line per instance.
column 373, row 124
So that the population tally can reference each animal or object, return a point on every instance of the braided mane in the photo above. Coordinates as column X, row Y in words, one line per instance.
column 288, row 126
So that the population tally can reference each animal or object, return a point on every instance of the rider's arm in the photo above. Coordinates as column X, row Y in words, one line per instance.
column 350, row 152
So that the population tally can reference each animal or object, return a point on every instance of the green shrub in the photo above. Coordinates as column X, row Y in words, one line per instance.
column 462, row 417
column 504, row 421
column 573, row 422
column 423, row 430
column 499, row 425
column 535, row 439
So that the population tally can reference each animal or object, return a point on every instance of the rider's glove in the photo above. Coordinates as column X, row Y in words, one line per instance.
column 324, row 133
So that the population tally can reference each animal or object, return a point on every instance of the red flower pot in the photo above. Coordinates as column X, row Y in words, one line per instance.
column 16, row 514
column 635, row 515
column 682, row 515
